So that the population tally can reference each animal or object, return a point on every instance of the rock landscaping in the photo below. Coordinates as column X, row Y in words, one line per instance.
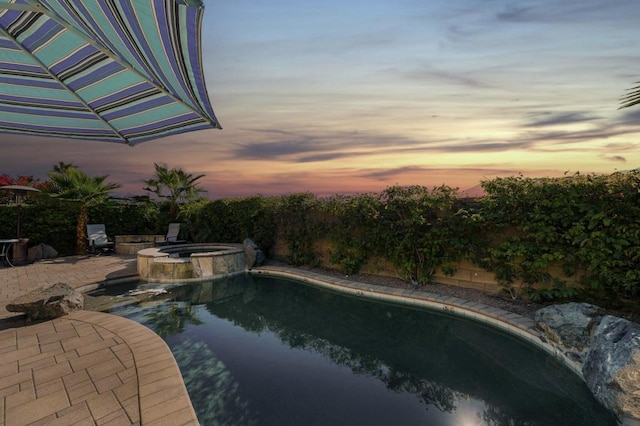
column 608, row 348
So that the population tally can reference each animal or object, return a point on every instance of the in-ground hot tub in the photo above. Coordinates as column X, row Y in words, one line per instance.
column 182, row 262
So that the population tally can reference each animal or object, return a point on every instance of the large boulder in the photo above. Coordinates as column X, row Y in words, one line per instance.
column 48, row 303
column 570, row 325
column 253, row 254
column 612, row 367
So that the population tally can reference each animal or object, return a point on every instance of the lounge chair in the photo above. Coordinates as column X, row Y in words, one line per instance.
column 172, row 234
column 97, row 241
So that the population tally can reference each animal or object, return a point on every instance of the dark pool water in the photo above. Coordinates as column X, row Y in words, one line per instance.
column 263, row 351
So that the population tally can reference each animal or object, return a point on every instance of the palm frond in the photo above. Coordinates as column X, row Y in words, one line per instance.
column 631, row 98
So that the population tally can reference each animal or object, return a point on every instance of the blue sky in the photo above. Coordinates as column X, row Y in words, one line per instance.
column 354, row 96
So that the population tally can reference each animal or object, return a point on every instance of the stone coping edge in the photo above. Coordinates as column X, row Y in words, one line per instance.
column 512, row 323
column 108, row 282
column 198, row 249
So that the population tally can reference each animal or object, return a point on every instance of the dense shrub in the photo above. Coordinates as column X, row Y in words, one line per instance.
column 351, row 224
column 586, row 225
column 581, row 222
column 298, row 222
column 53, row 221
column 232, row 220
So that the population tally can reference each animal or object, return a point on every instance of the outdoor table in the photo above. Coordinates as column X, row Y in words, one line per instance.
column 4, row 250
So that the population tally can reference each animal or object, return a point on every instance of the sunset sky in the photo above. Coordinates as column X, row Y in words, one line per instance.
column 355, row 96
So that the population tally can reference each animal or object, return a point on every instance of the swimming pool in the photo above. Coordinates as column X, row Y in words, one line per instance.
column 258, row 350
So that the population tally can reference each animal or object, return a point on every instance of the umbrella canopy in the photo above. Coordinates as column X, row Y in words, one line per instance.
column 19, row 191
column 113, row 71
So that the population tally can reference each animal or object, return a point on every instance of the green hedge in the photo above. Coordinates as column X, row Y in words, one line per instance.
column 518, row 230
column 232, row 220
column 583, row 222
column 53, row 221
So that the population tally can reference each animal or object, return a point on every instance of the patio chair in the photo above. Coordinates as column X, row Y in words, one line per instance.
column 97, row 240
column 172, row 234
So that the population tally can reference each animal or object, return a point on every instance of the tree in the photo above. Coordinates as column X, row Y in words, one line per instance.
column 175, row 187
column 67, row 182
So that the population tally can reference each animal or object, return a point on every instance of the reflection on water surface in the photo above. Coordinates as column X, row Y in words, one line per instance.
column 256, row 350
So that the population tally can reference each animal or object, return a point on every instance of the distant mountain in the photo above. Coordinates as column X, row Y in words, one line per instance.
column 473, row 192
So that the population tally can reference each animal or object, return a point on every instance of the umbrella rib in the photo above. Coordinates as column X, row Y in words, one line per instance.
column 40, row 8
column 69, row 90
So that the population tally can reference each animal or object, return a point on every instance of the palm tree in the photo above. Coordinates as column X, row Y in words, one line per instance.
column 175, row 186
column 632, row 97
column 67, row 182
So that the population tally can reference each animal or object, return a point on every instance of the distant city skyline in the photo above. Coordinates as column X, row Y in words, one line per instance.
column 348, row 97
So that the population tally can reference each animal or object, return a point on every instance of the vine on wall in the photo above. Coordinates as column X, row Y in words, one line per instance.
column 587, row 225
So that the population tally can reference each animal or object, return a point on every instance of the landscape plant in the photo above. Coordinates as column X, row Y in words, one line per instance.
column 351, row 226
column 298, row 222
column 174, row 187
column 544, row 238
column 67, row 182
column 421, row 229
column 231, row 220
column 587, row 225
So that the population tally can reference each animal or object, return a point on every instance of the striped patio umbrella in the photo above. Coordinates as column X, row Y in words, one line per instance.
column 109, row 70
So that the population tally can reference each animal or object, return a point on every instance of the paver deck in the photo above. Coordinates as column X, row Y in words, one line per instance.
column 87, row 368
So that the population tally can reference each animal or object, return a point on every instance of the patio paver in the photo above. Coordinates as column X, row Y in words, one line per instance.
column 88, row 367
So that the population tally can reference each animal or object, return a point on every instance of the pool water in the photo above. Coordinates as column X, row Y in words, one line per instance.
column 264, row 351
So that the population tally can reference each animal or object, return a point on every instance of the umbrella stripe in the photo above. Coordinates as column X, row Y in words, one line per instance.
column 154, row 117
column 107, row 29
column 59, row 132
column 17, row 22
column 115, row 83
column 40, row 102
column 21, row 69
column 135, row 107
column 173, row 54
column 47, row 112
column 75, row 130
column 37, row 93
column 175, row 130
column 135, row 64
column 110, row 11
column 33, row 82
column 38, row 31
column 90, row 71
column 131, row 34
column 181, row 41
column 65, row 65
column 134, row 19
column 195, row 52
column 170, row 127
column 117, row 99
column 73, row 123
